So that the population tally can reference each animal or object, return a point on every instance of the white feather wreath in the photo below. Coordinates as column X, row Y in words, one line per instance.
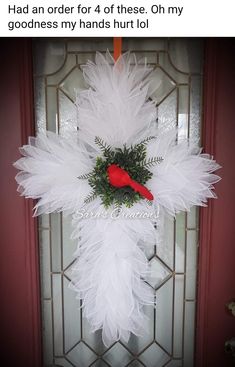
column 111, row 265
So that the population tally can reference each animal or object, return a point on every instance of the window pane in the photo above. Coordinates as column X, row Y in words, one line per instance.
column 66, row 335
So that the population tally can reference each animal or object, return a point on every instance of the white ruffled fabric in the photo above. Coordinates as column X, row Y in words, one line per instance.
column 109, row 271
column 111, row 264
column 49, row 172
column 184, row 178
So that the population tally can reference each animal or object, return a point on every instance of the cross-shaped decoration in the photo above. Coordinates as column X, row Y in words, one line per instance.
column 121, row 165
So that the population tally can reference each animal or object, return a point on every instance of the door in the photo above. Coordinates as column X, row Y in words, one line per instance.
column 177, row 77
column 207, row 338
column 216, row 283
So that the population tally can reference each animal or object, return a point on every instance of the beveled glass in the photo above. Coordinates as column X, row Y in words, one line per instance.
column 176, row 85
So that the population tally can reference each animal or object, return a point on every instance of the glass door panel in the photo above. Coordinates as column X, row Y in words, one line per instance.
column 67, row 338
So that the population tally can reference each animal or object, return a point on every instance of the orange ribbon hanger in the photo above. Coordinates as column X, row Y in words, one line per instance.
column 117, row 47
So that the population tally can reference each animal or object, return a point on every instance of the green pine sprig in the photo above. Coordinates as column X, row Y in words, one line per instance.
column 92, row 196
column 146, row 140
column 85, row 176
column 151, row 162
column 104, row 147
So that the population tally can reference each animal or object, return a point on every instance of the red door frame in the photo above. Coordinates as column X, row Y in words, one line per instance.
column 19, row 271
column 216, row 280
column 20, row 322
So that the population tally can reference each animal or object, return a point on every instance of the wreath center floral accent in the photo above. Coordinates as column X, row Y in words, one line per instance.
column 130, row 160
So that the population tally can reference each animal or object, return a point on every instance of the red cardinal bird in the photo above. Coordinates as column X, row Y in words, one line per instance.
column 118, row 177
